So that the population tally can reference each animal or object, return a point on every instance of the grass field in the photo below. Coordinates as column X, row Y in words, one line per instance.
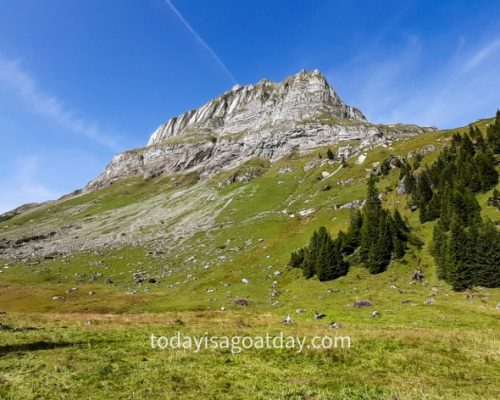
column 58, row 356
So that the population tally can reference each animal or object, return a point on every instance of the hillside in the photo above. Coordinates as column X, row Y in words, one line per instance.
column 198, row 238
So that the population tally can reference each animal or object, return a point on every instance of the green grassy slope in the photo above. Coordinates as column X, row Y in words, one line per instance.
column 254, row 226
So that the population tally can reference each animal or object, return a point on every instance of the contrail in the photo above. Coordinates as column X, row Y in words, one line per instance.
column 201, row 41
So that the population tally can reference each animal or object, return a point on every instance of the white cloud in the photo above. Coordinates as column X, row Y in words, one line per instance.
column 22, row 85
column 200, row 40
column 411, row 86
column 482, row 54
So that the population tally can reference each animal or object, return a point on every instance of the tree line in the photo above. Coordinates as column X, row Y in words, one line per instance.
column 375, row 235
column 466, row 247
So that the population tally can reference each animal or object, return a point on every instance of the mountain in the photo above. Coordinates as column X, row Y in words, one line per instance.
column 297, row 98
column 170, row 190
column 267, row 120
column 192, row 215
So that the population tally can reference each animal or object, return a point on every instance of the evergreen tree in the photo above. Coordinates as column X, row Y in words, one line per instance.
column 493, row 135
column 351, row 240
column 487, row 173
column 456, row 140
column 379, row 254
column 371, row 218
column 423, row 195
column 495, row 199
column 467, row 146
column 465, row 206
column 331, row 264
column 399, row 235
column 297, row 258
column 459, row 270
column 322, row 257
column 330, row 154
column 381, row 236
column 480, row 142
column 310, row 256
column 487, row 258
column 440, row 250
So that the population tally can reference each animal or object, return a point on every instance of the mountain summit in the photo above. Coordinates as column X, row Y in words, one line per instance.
column 267, row 120
column 299, row 97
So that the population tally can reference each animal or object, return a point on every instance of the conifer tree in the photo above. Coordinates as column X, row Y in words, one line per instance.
column 487, row 173
column 399, row 235
column 459, row 271
column 371, row 218
column 440, row 250
column 379, row 254
column 310, row 256
column 330, row 262
column 493, row 135
column 467, row 146
column 351, row 240
column 381, row 236
column 487, row 257
column 423, row 195
column 322, row 257
column 297, row 258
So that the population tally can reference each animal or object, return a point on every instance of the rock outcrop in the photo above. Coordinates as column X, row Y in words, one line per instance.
column 252, row 107
column 268, row 120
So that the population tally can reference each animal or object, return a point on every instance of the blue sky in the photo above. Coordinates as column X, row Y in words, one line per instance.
column 83, row 80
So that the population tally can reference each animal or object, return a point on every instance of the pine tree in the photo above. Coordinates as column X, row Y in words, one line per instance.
column 410, row 183
column 495, row 198
column 379, row 255
column 310, row 256
column 399, row 235
column 480, row 142
column 399, row 247
column 459, row 271
column 331, row 264
column 487, row 173
column 423, row 194
column 371, row 218
column 351, row 240
column 456, row 140
column 323, row 253
column 381, row 236
column 322, row 257
column 440, row 250
column 466, row 249
column 493, row 135
column 297, row 258
column 467, row 146
column 330, row 154
column 487, row 260
column 465, row 206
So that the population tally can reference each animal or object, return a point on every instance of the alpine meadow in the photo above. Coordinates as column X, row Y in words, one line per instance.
column 272, row 243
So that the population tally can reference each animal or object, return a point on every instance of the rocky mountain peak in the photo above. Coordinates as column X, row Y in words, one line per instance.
column 299, row 97
column 267, row 120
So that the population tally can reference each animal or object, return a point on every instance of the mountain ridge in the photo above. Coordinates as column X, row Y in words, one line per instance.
column 267, row 120
column 295, row 98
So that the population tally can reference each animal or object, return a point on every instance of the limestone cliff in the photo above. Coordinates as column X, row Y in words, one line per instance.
column 266, row 120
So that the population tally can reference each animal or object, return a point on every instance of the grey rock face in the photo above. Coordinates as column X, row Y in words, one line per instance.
column 267, row 120
column 297, row 98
